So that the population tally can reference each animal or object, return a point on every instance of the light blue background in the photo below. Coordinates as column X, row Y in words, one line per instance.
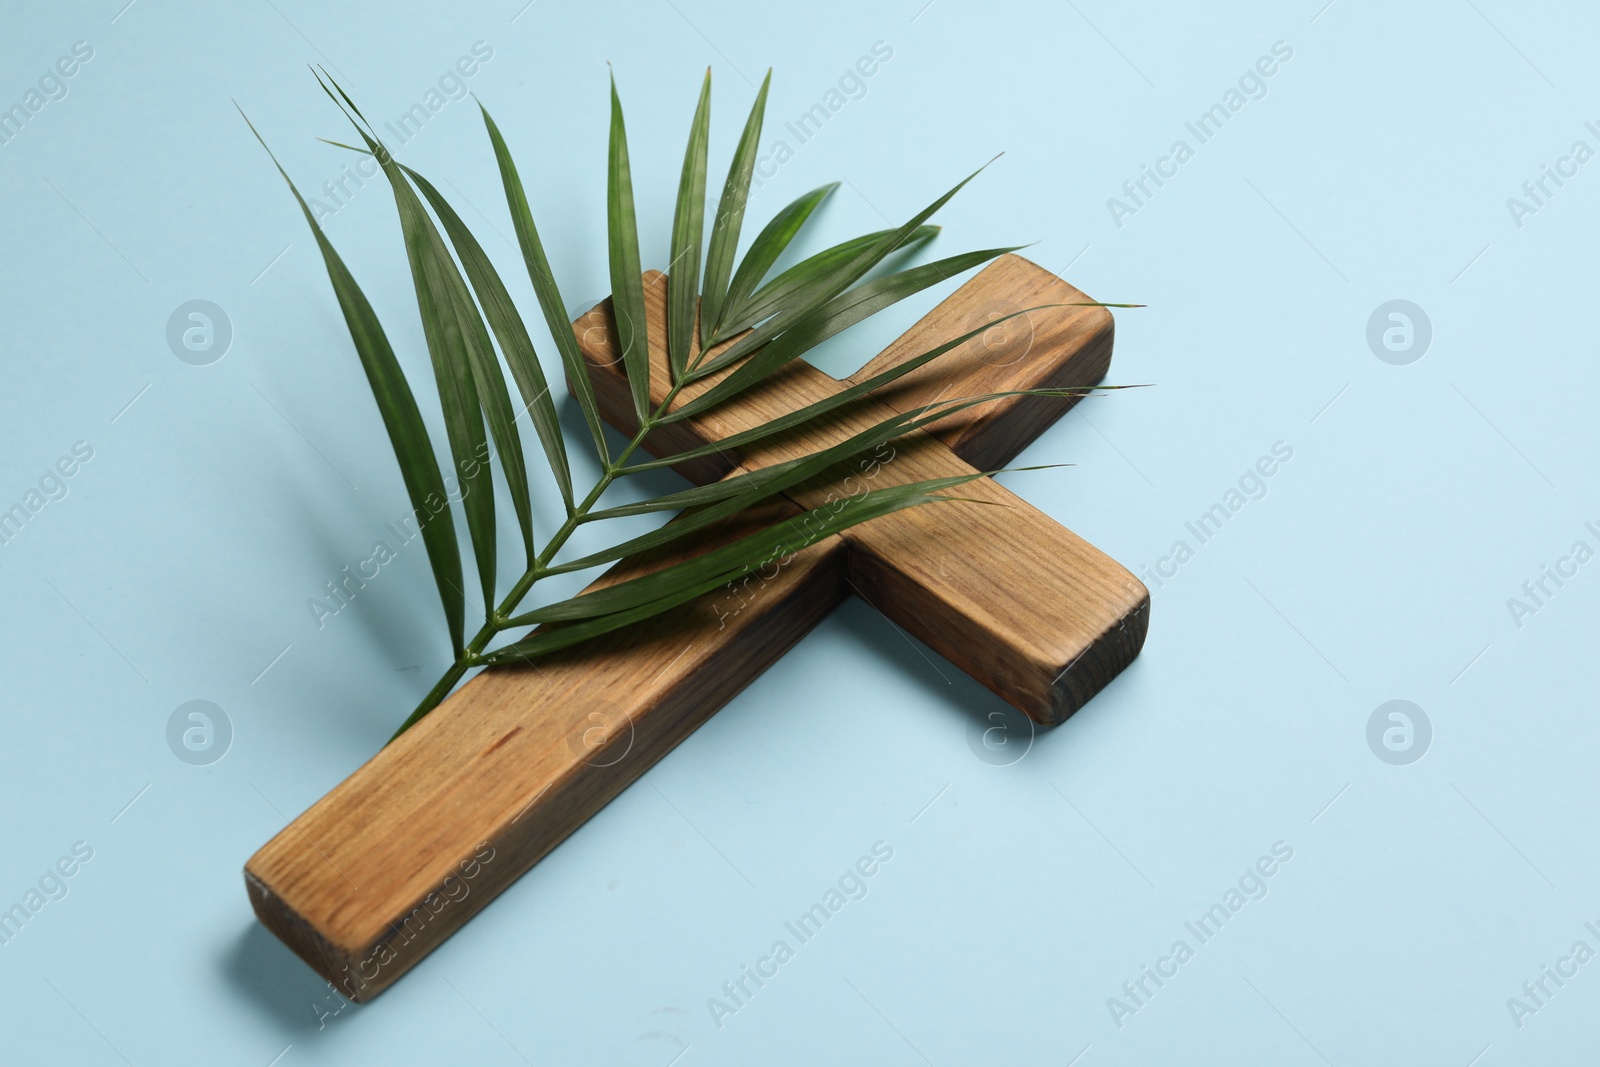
column 1021, row 897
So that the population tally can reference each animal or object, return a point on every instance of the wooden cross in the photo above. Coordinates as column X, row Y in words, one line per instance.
column 408, row 848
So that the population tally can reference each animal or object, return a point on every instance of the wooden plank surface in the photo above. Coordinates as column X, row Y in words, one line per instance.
column 1059, row 347
column 370, row 879
column 403, row 852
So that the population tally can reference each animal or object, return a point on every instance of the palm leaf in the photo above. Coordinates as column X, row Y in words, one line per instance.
column 838, row 314
column 640, row 598
column 780, row 291
column 688, row 230
column 730, row 216
column 544, row 287
column 815, row 292
column 728, row 499
column 810, row 412
column 520, row 356
column 454, row 364
column 769, row 244
column 408, row 435
column 692, row 497
column 627, row 281
column 737, row 492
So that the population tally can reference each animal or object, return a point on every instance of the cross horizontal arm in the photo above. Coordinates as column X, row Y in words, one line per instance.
column 1018, row 601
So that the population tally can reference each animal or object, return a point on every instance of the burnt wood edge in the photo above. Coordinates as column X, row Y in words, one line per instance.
column 1106, row 657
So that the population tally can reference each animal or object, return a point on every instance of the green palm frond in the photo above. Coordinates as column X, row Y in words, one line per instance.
column 419, row 468
column 688, row 226
column 591, row 614
column 730, row 217
column 627, row 283
column 764, row 252
column 471, row 325
column 550, row 302
column 781, row 292
column 451, row 328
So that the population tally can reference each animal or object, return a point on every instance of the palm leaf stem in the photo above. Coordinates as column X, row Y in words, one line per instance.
column 471, row 655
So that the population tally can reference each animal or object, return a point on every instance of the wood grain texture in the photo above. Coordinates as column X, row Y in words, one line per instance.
column 414, row 843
